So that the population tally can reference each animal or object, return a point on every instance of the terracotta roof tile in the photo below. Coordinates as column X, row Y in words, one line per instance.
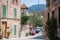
column 24, row 6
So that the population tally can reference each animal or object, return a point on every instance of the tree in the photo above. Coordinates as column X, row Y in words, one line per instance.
column 24, row 19
column 39, row 22
column 36, row 19
column 51, row 29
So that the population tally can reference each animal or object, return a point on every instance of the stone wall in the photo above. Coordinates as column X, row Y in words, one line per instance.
column 10, row 16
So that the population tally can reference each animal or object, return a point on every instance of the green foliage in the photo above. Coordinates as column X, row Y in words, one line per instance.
column 24, row 19
column 27, row 33
column 39, row 22
column 8, row 33
column 51, row 28
column 36, row 19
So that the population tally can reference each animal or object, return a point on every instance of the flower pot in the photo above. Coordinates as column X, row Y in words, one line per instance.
column 27, row 34
column 8, row 34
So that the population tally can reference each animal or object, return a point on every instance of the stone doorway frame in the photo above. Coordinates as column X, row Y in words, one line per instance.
column 4, row 29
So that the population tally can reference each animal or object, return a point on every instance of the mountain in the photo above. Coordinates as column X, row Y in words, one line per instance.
column 37, row 7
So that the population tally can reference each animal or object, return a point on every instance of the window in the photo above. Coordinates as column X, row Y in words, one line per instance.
column 15, row 13
column 4, row 11
column 15, row 29
column 48, row 3
column 16, row 1
column 23, row 11
column 53, row 1
column 48, row 16
column 53, row 14
column 12, row 1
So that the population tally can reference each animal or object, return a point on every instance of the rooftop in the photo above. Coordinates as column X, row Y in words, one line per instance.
column 23, row 6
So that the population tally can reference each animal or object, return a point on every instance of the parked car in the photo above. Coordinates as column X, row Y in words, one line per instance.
column 32, row 32
column 41, row 28
column 37, row 29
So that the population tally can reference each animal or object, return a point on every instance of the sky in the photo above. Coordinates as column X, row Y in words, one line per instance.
column 32, row 2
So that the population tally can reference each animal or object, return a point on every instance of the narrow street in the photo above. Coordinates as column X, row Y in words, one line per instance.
column 38, row 36
column 29, row 19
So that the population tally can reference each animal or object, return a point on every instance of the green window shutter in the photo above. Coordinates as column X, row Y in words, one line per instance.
column 14, row 29
column 15, row 13
column 4, row 11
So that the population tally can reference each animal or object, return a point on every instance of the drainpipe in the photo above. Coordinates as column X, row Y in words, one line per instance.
column 0, row 23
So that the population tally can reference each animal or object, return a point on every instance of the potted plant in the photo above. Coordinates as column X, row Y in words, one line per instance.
column 27, row 34
column 8, row 34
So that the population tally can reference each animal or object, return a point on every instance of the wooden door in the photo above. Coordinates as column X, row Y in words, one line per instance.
column 4, row 29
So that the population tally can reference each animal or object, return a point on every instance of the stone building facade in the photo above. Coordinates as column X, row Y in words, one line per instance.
column 26, row 27
column 52, row 9
column 25, row 10
column 10, row 18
